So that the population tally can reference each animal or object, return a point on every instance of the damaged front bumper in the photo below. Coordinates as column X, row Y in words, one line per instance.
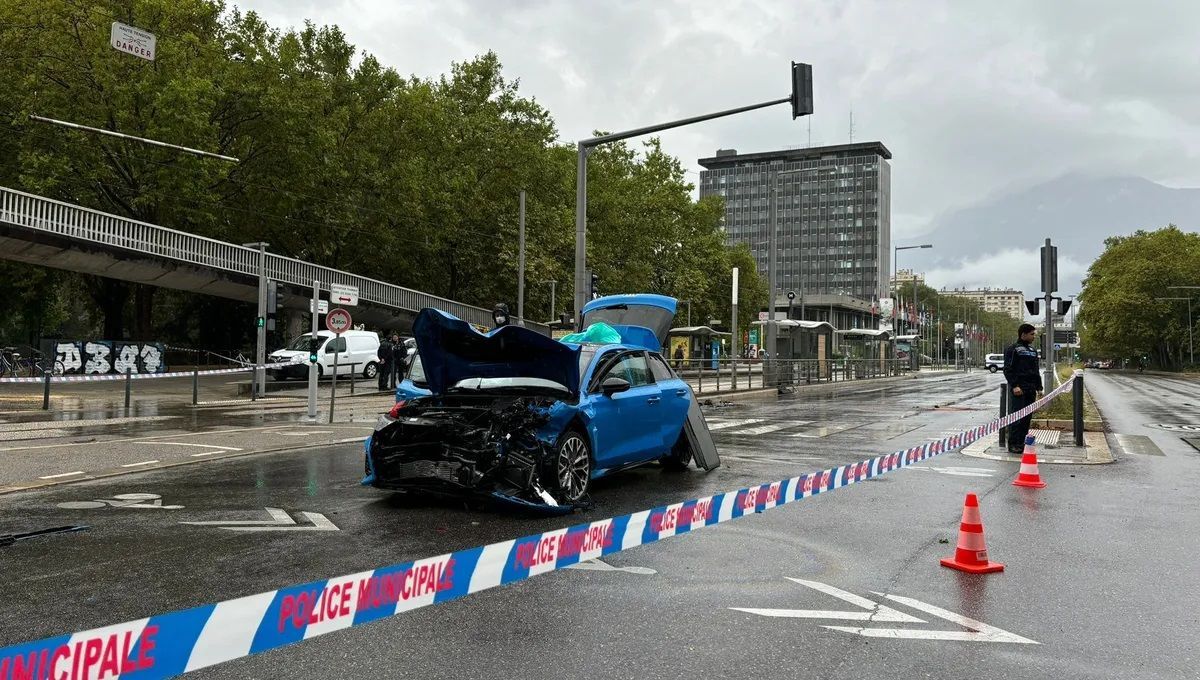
column 486, row 448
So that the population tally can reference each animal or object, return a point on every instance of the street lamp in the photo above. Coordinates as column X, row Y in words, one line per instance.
column 1191, row 347
column 896, row 277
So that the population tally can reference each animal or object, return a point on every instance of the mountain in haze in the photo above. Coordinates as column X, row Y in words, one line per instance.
column 1075, row 211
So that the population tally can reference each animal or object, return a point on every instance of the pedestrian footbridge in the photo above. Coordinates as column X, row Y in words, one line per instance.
column 51, row 233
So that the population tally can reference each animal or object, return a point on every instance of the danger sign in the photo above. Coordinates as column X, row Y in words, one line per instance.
column 338, row 321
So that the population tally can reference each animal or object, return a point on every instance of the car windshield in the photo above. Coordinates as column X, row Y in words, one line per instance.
column 300, row 344
column 416, row 372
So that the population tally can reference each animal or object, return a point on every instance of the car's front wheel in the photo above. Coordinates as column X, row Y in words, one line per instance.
column 572, row 467
column 680, row 455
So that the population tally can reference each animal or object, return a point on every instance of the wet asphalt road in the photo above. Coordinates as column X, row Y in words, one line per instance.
column 1100, row 565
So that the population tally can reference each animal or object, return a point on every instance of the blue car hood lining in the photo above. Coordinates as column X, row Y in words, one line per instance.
column 452, row 350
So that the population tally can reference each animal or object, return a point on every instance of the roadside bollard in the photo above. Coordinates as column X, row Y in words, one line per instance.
column 1003, row 412
column 700, row 380
column 128, row 387
column 1077, row 408
column 46, row 391
column 195, row 385
column 353, row 375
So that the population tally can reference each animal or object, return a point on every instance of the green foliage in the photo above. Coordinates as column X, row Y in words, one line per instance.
column 1119, row 313
column 343, row 162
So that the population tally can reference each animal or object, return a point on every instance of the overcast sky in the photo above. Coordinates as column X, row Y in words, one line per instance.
column 972, row 98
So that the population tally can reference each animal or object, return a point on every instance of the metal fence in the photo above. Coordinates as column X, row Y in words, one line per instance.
column 112, row 231
column 741, row 374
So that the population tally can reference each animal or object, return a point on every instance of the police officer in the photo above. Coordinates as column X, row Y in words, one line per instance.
column 1024, row 382
column 383, row 358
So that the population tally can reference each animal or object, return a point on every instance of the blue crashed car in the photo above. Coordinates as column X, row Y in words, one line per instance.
column 515, row 415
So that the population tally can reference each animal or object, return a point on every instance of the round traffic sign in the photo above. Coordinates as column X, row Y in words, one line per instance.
column 338, row 321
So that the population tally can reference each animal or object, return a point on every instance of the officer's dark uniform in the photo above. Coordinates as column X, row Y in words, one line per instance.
column 1021, row 370
column 385, row 364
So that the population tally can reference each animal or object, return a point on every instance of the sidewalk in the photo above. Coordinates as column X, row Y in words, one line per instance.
column 1053, row 446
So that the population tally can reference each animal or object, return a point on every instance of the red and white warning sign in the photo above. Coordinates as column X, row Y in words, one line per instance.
column 338, row 321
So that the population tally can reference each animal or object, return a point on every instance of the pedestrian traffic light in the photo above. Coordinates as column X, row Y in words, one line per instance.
column 314, row 344
column 259, row 322
column 595, row 286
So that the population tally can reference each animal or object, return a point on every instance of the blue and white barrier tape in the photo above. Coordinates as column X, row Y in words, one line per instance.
column 141, row 376
column 170, row 644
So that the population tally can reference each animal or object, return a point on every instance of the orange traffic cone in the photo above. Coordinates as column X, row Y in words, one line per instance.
column 971, row 554
column 1029, row 476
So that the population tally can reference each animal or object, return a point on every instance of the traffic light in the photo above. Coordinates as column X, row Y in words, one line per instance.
column 595, row 286
column 272, row 303
column 314, row 344
column 1033, row 306
column 259, row 322
column 802, row 93
column 1073, row 337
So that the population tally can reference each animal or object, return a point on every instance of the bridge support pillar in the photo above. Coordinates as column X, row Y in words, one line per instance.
column 293, row 323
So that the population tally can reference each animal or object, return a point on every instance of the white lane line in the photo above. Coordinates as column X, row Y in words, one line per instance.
column 733, row 423
column 201, row 446
column 65, row 474
column 352, row 439
column 206, row 453
column 771, row 427
column 144, row 462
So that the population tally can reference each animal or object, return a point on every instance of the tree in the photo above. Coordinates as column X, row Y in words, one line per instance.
column 1119, row 312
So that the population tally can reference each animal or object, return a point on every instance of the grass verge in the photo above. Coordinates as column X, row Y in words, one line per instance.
column 1060, row 408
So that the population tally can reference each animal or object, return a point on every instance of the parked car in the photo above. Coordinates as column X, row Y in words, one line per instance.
column 353, row 347
column 516, row 416
column 994, row 362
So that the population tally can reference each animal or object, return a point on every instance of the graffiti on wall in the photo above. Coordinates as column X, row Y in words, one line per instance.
column 92, row 357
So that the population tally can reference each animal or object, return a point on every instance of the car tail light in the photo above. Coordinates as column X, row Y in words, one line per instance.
column 395, row 412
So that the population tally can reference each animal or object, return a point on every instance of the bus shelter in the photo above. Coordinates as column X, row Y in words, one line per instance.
column 866, row 350
column 693, row 346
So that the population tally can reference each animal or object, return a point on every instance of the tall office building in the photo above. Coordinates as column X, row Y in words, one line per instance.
column 834, row 214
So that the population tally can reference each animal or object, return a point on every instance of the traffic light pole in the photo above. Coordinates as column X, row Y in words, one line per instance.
column 260, row 351
column 583, row 148
column 312, row 366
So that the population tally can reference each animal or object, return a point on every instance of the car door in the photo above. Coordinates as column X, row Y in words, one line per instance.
column 676, row 398
column 625, row 425
column 336, row 346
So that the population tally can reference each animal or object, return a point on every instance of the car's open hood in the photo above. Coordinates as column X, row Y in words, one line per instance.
column 451, row 350
column 640, row 319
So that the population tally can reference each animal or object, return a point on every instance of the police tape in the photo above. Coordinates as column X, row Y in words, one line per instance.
column 178, row 642
column 56, row 379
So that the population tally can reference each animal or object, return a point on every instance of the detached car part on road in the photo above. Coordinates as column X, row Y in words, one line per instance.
column 518, row 417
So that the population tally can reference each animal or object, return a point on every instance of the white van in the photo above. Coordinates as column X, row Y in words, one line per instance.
column 353, row 347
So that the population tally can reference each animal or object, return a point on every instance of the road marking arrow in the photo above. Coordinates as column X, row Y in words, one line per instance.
column 875, row 611
column 598, row 565
column 977, row 631
column 280, row 521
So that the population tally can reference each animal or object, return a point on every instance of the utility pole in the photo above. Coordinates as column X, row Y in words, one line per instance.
column 259, row 376
column 552, row 292
column 1049, row 286
column 802, row 105
column 735, row 339
column 521, row 261
column 772, row 329
column 312, row 366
